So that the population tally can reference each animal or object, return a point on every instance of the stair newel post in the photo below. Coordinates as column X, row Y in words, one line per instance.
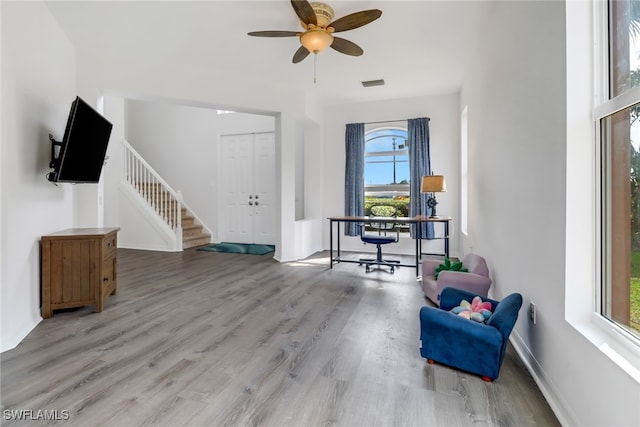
column 178, row 221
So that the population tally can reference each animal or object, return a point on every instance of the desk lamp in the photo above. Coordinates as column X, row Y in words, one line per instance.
column 433, row 184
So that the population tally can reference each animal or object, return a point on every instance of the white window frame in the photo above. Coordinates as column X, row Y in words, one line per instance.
column 613, row 340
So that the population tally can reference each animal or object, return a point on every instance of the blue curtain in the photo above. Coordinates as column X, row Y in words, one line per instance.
column 354, row 176
column 420, row 165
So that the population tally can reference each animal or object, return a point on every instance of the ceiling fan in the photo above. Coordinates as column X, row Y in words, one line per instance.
column 317, row 21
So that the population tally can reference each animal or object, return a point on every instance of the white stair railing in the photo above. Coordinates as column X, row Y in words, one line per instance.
column 165, row 201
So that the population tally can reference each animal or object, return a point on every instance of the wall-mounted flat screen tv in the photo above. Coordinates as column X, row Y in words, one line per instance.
column 82, row 151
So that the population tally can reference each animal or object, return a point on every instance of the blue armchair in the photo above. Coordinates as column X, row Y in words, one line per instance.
column 472, row 346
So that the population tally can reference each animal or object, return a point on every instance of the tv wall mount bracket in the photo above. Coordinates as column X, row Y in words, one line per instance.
column 54, row 144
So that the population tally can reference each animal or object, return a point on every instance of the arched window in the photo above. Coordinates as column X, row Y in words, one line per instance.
column 386, row 169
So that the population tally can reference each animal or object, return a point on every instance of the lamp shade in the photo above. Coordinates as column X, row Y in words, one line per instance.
column 316, row 40
column 433, row 184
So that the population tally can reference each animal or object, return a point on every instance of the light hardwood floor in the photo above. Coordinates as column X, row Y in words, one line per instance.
column 214, row 339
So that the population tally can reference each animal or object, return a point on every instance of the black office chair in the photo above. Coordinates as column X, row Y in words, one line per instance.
column 379, row 236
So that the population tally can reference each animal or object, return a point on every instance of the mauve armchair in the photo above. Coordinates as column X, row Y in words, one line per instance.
column 476, row 280
column 465, row 344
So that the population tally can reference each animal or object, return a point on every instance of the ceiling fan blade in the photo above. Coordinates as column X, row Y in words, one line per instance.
column 300, row 54
column 355, row 20
column 304, row 11
column 273, row 33
column 346, row 47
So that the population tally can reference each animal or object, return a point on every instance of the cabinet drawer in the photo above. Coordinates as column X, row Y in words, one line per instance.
column 108, row 269
column 110, row 243
column 108, row 279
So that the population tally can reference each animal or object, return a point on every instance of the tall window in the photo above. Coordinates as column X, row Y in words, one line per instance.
column 616, row 118
column 386, row 169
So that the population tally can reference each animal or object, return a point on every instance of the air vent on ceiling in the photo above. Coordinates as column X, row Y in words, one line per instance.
column 369, row 83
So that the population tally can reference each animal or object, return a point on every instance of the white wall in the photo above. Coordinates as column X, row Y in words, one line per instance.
column 310, row 178
column 516, row 95
column 181, row 143
column 38, row 86
column 444, row 130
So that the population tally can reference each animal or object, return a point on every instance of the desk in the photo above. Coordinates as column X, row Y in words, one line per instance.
column 400, row 220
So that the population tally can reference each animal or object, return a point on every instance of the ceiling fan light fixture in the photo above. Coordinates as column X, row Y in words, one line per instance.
column 317, row 20
column 324, row 13
column 316, row 40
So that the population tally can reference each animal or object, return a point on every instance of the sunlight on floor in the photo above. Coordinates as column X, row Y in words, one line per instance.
column 309, row 262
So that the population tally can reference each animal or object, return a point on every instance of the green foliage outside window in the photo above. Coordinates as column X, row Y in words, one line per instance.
column 400, row 203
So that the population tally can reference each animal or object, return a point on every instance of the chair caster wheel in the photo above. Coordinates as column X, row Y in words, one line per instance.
column 367, row 269
column 393, row 270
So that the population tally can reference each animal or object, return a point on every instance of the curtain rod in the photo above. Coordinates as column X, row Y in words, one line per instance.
column 388, row 121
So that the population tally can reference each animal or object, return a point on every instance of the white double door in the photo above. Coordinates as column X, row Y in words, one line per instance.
column 247, row 165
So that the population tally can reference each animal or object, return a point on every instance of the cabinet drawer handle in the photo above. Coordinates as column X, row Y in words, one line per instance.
column 105, row 279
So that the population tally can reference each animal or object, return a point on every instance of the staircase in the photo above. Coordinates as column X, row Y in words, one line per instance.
column 165, row 202
column 192, row 233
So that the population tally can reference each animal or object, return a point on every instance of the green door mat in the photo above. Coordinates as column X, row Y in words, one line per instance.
column 239, row 248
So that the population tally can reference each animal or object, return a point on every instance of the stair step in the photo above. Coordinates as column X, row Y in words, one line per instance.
column 199, row 240
column 185, row 221
column 191, row 230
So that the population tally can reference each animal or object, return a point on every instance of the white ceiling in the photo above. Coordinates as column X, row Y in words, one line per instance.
column 417, row 47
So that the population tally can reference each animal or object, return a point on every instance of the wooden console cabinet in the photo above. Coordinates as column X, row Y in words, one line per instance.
column 78, row 268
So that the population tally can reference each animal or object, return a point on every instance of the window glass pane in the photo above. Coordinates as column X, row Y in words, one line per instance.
column 386, row 158
column 385, row 172
column 385, row 140
column 624, row 46
column 621, row 218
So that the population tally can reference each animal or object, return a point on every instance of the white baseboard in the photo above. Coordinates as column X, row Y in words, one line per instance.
column 16, row 337
column 543, row 382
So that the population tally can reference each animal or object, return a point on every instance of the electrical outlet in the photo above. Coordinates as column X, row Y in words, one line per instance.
column 532, row 313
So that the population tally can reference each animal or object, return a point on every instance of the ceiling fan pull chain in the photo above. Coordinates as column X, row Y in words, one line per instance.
column 315, row 62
